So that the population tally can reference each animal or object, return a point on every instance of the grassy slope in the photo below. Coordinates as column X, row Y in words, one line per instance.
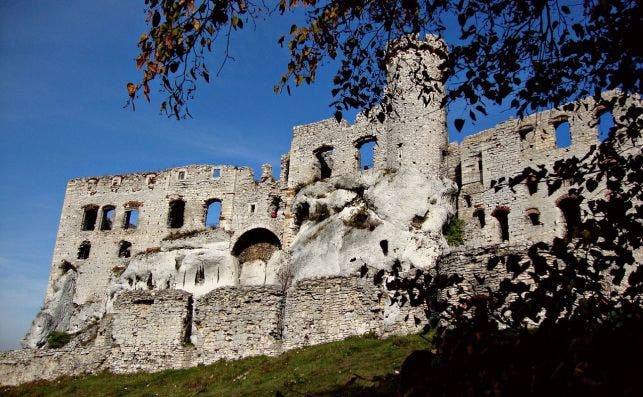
column 349, row 367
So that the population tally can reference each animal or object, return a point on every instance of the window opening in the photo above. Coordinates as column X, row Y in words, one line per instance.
column 458, row 175
column 131, row 219
column 213, row 213
column 107, row 220
column 525, row 133
column 216, row 173
column 467, row 199
column 480, row 167
column 534, row 216
column 181, row 175
column 570, row 207
column 366, row 152
column 89, row 217
column 502, row 215
column 563, row 135
column 83, row 250
column 124, row 249
column 532, row 184
column 150, row 180
column 479, row 213
column 275, row 203
column 605, row 124
column 325, row 158
column 175, row 215
column 252, row 208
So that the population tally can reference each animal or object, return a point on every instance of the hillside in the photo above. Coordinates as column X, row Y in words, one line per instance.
column 355, row 366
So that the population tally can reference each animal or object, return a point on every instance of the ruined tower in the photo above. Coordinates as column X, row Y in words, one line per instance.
column 416, row 124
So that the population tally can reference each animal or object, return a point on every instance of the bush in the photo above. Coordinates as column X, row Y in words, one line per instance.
column 454, row 232
column 58, row 339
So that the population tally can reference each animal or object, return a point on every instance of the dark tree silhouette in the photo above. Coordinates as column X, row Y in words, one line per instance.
column 566, row 317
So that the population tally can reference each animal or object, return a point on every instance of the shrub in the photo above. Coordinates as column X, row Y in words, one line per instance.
column 58, row 339
column 454, row 232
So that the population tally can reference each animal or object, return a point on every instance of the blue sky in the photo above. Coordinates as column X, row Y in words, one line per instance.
column 65, row 65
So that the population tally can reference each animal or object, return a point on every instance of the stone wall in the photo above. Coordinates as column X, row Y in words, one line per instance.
column 150, row 330
column 238, row 322
column 413, row 135
column 156, row 330
column 484, row 160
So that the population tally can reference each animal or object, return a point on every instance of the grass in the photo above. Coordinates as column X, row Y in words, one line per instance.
column 358, row 366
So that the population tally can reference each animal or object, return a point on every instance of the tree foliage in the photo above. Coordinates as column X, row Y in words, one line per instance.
column 529, row 53
column 578, row 291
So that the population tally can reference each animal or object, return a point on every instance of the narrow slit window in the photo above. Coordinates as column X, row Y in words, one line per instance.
column 570, row 208
column 107, row 219
column 605, row 125
column 502, row 215
column 175, row 214
column 83, row 250
column 213, row 213
column 479, row 214
column 563, row 134
column 216, row 174
column 532, row 184
column 181, row 175
column 366, row 149
column 480, row 167
column 253, row 207
column 458, row 175
column 90, row 216
column 131, row 219
column 124, row 249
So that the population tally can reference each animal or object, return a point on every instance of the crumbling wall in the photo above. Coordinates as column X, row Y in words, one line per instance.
column 333, row 308
column 244, row 202
column 238, row 322
column 151, row 330
column 21, row 366
column 490, row 158
column 411, row 136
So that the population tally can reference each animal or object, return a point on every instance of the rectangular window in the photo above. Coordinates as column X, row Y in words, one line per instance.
column 131, row 219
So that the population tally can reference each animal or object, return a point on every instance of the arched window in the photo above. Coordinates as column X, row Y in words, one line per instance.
column 534, row 216
column 175, row 214
column 324, row 157
column 502, row 215
column 83, row 249
column 124, row 249
column 212, row 213
column 90, row 214
column 366, row 152
column 605, row 124
column 107, row 218
column 563, row 134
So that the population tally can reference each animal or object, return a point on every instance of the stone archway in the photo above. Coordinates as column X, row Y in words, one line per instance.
column 254, row 249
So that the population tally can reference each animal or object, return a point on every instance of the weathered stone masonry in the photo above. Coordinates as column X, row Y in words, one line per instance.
column 144, row 280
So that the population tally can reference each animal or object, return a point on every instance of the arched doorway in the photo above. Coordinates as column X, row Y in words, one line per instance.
column 253, row 249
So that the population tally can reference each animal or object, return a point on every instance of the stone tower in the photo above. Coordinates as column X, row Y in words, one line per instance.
column 416, row 127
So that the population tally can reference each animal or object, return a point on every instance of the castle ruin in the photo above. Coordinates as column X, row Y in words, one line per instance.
column 190, row 265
